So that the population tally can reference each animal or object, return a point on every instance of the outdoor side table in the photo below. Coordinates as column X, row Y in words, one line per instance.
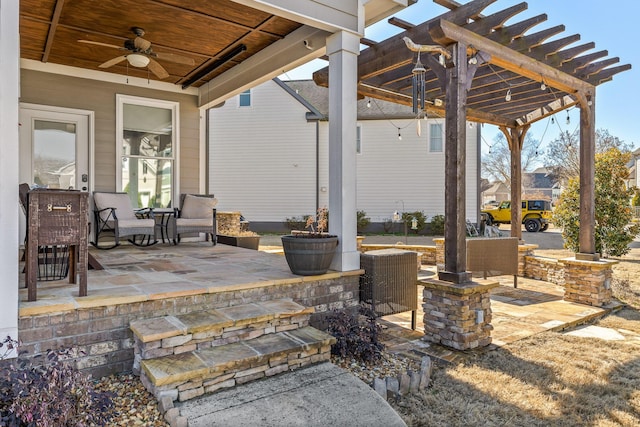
column 389, row 283
column 163, row 217
column 58, row 217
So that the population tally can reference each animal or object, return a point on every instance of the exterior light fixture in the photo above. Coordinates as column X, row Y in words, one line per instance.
column 369, row 103
column 137, row 60
column 399, row 135
column 508, row 95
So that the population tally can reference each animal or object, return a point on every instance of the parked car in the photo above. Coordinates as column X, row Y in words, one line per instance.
column 536, row 214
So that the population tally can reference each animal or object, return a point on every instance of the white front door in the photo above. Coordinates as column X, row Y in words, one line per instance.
column 54, row 148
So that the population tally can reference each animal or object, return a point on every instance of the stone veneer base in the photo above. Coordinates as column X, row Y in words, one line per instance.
column 588, row 282
column 458, row 315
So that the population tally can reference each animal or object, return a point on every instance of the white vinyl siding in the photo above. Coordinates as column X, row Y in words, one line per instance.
column 392, row 172
column 262, row 159
column 262, row 162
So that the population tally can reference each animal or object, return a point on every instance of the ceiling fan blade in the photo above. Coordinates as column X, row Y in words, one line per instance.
column 179, row 59
column 141, row 43
column 113, row 61
column 100, row 44
column 157, row 69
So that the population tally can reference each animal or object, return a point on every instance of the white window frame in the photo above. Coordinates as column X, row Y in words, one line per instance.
column 358, row 139
column 246, row 93
column 174, row 106
column 439, row 126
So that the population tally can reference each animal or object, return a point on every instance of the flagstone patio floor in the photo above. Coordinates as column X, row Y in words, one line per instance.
column 137, row 274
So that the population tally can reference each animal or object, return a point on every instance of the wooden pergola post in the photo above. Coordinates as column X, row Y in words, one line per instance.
column 515, row 139
column 455, row 256
column 587, row 241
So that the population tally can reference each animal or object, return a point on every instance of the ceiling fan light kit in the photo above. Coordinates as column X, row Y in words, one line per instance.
column 141, row 55
column 137, row 60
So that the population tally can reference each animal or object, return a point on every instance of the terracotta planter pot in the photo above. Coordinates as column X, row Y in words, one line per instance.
column 249, row 242
column 309, row 256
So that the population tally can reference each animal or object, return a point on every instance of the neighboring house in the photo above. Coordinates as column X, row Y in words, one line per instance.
column 541, row 183
column 633, row 165
column 498, row 192
column 268, row 156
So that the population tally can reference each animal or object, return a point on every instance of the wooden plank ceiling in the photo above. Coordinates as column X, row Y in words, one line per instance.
column 187, row 36
column 518, row 60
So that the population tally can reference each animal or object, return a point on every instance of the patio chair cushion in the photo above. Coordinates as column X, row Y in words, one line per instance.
column 119, row 201
column 143, row 225
column 195, row 207
column 194, row 222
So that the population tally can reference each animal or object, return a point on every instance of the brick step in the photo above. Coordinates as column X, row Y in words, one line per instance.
column 187, row 375
column 162, row 336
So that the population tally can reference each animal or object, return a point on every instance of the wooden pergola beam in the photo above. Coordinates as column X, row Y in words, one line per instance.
column 403, row 99
column 447, row 33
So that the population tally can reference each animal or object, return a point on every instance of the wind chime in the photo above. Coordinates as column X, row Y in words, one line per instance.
column 419, row 84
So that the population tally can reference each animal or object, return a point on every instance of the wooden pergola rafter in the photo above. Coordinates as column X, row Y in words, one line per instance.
column 500, row 74
column 516, row 61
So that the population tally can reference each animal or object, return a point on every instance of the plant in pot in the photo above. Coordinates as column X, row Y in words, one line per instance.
column 233, row 230
column 310, row 253
column 243, row 239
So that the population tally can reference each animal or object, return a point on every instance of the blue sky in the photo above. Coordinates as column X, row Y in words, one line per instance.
column 609, row 27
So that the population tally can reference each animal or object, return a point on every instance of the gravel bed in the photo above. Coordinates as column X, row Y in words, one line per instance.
column 133, row 404
column 390, row 365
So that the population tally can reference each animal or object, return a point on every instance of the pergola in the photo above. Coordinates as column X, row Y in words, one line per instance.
column 498, row 74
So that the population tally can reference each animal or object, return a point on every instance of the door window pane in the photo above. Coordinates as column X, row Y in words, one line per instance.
column 54, row 154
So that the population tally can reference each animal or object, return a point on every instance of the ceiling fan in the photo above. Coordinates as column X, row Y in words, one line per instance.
column 140, row 54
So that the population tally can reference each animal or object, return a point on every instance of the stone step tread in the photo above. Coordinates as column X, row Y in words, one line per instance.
column 158, row 328
column 237, row 356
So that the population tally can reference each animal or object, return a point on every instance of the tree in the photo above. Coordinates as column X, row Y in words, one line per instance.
column 563, row 153
column 497, row 163
column 613, row 229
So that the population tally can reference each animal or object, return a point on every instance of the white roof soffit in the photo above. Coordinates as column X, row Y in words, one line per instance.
column 377, row 10
column 328, row 15
column 298, row 48
column 321, row 18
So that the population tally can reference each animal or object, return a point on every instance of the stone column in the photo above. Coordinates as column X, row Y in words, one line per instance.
column 588, row 282
column 524, row 251
column 458, row 315
column 343, row 49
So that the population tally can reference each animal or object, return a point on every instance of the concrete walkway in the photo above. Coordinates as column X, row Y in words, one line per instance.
column 319, row 395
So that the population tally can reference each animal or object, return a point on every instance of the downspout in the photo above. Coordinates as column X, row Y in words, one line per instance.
column 317, row 165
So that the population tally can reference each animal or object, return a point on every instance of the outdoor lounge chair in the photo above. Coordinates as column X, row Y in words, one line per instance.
column 114, row 214
column 197, row 214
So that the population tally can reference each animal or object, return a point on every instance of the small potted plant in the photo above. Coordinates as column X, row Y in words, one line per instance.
column 243, row 239
column 233, row 230
column 310, row 253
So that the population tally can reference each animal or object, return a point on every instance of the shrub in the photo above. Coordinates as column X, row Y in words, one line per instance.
column 296, row 222
column 436, row 226
column 420, row 217
column 362, row 221
column 51, row 394
column 613, row 231
column 357, row 335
